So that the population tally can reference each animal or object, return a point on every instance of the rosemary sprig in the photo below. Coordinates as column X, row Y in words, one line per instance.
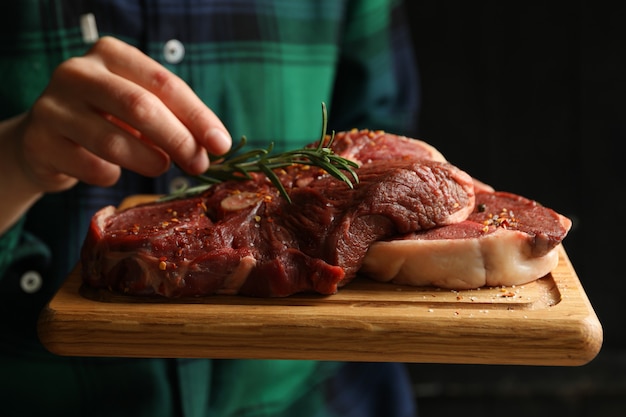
column 234, row 166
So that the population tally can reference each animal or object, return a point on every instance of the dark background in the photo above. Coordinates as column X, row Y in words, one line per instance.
column 532, row 100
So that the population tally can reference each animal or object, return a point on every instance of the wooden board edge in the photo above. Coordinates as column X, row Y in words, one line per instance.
column 365, row 336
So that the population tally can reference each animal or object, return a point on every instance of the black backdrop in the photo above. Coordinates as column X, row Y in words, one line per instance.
column 532, row 99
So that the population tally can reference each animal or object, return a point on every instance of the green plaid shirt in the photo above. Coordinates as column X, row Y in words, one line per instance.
column 264, row 67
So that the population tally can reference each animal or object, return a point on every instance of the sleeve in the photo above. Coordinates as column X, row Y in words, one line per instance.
column 376, row 86
column 17, row 245
column 8, row 246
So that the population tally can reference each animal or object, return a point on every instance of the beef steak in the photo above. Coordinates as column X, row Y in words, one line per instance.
column 506, row 240
column 365, row 146
column 244, row 238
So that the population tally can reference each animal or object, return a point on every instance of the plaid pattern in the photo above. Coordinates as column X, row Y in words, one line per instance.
column 264, row 66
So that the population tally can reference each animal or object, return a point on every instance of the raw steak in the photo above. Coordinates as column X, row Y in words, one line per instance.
column 365, row 146
column 507, row 240
column 243, row 238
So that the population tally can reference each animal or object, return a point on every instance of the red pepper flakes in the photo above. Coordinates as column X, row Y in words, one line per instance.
column 504, row 219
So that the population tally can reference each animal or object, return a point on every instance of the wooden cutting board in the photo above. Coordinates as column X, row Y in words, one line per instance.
column 547, row 322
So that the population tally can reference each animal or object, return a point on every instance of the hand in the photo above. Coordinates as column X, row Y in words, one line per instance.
column 115, row 107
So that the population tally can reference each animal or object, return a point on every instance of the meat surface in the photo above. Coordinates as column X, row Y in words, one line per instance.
column 506, row 240
column 365, row 146
column 243, row 238
column 413, row 219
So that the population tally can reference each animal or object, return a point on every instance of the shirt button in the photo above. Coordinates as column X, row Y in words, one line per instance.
column 173, row 51
column 178, row 184
column 31, row 282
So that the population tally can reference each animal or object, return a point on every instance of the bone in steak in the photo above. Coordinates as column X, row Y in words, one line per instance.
column 243, row 238
column 507, row 240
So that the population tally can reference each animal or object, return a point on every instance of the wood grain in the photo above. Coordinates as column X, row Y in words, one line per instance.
column 547, row 322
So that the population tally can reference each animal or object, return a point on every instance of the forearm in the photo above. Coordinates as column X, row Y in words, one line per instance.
column 17, row 192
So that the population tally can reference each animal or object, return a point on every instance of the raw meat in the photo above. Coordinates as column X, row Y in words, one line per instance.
column 507, row 240
column 365, row 146
column 243, row 238
column 413, row 219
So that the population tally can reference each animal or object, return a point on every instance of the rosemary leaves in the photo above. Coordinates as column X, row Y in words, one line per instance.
column 237, row 166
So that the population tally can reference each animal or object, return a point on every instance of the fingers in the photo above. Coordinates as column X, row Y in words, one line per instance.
column 143, row 112
column 103, row 136
column 77, row 162
column 160, row 105
column 53, row 163
column 115, row 107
